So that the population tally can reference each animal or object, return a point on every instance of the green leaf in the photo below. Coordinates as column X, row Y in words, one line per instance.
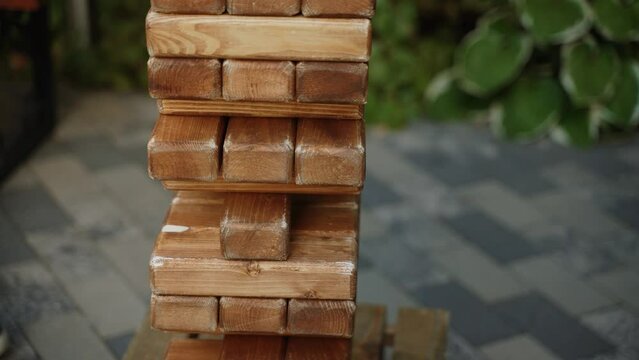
column 589, row 71
column 617, row 20
column 577, row 127
column 623, row 108
column 555, row 21
column 446, row 101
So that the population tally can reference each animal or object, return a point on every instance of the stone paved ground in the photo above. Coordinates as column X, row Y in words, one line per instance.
column 534, row 249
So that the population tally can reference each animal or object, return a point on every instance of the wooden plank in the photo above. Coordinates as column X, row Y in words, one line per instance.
column 263, row 7
column 258, row 150
column 185, row 147
column 251, row 315
column 258, row 80
column 171, row 78
column 368, row 338
column 328, row 82
column 251, row 347
column 317, row 348
column 187, row 260
column 421, row 334
column 213, row 7
column 255, row 226
column 258, row 38
column 261, row 109
column 330, row 153
column 321, row 317
column 221, row 186
column 194, row 349
column 149, row 344
column 321, row 219
column 339, row 8
column 187, row 314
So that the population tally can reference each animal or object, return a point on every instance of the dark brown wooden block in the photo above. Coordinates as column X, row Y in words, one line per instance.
column 314, row 348
column 255, row 226
column 259, row 150
column 338, row 8
column 252, row 315
column 188, row 6
column 263, row 7
column 252, row 80
column 185, row 147
column 171, row 78
column 327, row 82
column 421, row 334
column 368, row 336
column 193, row 349
column 329, row 152
column 321, row 317
column 253, row 347
column 188, row 314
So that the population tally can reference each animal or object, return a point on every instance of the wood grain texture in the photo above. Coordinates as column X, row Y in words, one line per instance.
column 187, row 260
column 258, row 38
column 329, row 82
column 421, row 334
column 171, row 78
column 255, row 226
column 318, row 348
column 263, row 7
column 368, row 338
column 252, row 347
column 194, row 349
column 259, row 150
column 339, row 8
column 185, row 147
column 258, row 80
column 321, row 317
column 221, row 186
column 250, row 315
column 212, row 7
column 188, row 314
column 329, row 153
column 261, row 109
column 319, row 218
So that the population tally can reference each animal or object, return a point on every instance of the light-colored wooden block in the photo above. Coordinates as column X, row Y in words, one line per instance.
column 188, row 314
column 213, row 7
column 328, row 82
column 252, row 315
column 263, row 7
column 255, row 226
column 185, row 147
column 421, row 334
column 330, row 152
column 368, row 336
column 194, row 349
column 318, row 348
column 339, row 8
column 321, row 317
column 171, row 78
column 255, row 80
column 253, row 347
column 293, row 38
column 259, row 150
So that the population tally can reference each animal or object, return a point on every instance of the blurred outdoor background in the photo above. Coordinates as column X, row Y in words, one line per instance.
column 502, row 185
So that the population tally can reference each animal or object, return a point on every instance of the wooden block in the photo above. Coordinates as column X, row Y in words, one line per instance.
column 329, row 153
column 321, row 219
column 261, row 109
column 221, row 186
column 255, row 226
column 185, row 147
column 339, row 8
column 251, row 347
column 316, row 348
column 188, row 314
column 421, row 334
column 328, row 82
column 246, row 80
column 188, row 6
column 259, row 150
column 368, row 338
column 171, row 78
column 194, row 349
column 263, row 7
column 321, row 317
column 251, row 315
column 258, row 38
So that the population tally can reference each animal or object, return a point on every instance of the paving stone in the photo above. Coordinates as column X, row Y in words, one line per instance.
column 376, row 193
column 22, row 177
column 34, row 209
column 13, row 248
column 119, row 344
column 621, row 283
column 459, row 349
column 471, row 318
column 553, row 328
column 19, row 347
column 370, row 225
column 453, row 170
column 618, row 326
column 570, row 175
column 375, row 288
column 521, row 347
column 627, row 210
column 97, row 152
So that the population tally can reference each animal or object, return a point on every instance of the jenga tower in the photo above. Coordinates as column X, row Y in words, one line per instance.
column 261, row 135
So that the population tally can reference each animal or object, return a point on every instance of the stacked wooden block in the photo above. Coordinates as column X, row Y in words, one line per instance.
column 261, row 135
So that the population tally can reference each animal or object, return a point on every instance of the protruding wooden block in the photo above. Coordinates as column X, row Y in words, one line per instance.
column 368, row 336
column 329, row 152
column 259, row 150
column 254, row 80
column 193, row 349
column 314, row 348
column 421, row 334
column 252, row 347
column 263, row 7
column 175, row 313
column 185, row 147
column 172, row 78
column 327, row 82
column 321, row 317
column 252, row 315
column 213, row 7
column 338, row 8
column 255, row 226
